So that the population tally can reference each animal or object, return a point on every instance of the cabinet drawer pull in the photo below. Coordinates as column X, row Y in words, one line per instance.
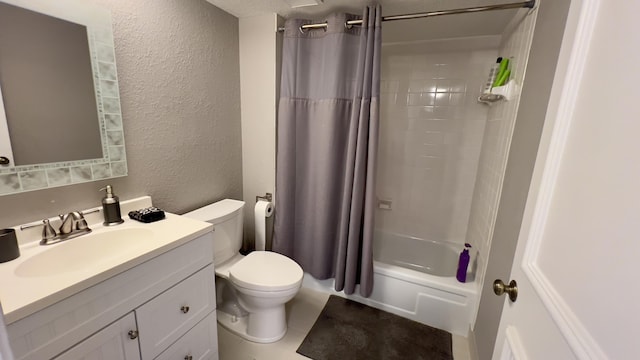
column 184, row 309
column 188, row 357
column 133, row 334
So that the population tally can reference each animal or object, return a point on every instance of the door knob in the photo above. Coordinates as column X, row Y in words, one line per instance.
column 4, row 160
column 500, row 288
column 184, row 309
column 133, row 334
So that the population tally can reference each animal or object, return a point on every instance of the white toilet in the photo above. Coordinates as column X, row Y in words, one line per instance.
column 251, row 290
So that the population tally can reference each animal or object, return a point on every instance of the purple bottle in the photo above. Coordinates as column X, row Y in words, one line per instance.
column 463, row 264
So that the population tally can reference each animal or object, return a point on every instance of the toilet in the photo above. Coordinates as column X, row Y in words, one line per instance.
column 251, row 290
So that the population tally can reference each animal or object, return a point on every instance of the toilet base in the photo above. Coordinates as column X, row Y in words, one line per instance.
column 239, row 325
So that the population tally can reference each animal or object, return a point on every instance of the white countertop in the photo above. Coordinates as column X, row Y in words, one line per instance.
column 22, row 296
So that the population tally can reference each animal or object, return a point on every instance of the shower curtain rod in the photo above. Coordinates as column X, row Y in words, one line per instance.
column 525, row 4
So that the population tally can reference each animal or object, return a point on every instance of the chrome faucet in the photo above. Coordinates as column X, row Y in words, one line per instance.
column 72, row 222
column 73, row 225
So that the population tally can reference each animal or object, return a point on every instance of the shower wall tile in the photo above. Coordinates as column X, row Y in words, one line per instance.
column 495, row 149
column 431, row 133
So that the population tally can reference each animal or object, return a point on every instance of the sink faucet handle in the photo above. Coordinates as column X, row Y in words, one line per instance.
column 81, row 223
column 69, row 222
column 48, row 233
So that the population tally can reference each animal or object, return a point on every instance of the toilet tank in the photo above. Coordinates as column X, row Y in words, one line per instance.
column 226, row 217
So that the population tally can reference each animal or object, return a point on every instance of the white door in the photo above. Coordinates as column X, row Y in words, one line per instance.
column 579, row 246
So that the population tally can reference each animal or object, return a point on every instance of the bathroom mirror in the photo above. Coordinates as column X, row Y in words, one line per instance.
column 60, row 118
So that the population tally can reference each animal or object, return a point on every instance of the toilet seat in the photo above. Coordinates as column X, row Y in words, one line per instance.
column 266, row 271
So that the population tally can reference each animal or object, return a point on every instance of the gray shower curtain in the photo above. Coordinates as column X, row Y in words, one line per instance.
column 326, row 154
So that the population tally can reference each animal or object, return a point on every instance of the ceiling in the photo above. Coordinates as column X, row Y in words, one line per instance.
column 452, row 26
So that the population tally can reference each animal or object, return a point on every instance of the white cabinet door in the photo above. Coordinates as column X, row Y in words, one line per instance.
column 112, row 342
column 577, row 255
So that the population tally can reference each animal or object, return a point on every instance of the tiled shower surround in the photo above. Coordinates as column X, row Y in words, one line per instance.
column 501, row 120
column 430, row 140
column 443, row 155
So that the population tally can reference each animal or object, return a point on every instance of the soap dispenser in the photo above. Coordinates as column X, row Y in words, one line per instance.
column 111, row 207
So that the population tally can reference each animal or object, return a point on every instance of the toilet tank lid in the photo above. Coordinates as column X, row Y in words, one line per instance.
column 217, row 212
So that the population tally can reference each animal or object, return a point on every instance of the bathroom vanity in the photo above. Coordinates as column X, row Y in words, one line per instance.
column 134, row 291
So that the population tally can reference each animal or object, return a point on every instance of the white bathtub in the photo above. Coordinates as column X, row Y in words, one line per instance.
column 415, row 279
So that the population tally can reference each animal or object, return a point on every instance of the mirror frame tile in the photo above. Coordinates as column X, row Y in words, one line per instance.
column 16, row 179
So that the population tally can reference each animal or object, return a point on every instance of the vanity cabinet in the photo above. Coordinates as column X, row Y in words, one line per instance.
column 163, row 308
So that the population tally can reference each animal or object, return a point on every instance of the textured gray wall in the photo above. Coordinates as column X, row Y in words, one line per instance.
column 179, row 78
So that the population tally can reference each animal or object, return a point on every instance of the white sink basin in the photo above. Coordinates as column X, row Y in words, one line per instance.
column 86, row 251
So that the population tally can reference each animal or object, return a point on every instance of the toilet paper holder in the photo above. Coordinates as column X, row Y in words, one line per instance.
column 266, row 197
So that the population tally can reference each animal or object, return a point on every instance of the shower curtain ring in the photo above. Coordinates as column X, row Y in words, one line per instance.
column 301, row 29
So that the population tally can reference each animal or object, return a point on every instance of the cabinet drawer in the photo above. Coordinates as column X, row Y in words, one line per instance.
column 200, row 343
column 165, row 318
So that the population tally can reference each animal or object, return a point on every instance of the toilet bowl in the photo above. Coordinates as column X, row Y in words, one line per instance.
column 251, row 290
column 262, row 282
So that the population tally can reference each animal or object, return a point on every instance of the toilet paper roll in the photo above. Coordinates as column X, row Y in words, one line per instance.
column 261, row 212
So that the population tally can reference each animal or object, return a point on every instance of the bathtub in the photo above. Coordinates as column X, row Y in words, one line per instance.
column 415, row 279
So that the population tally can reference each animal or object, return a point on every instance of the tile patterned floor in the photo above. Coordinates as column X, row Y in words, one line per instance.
column 302, row 313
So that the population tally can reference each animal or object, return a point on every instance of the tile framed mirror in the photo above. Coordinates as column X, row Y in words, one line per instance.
column 60, row 116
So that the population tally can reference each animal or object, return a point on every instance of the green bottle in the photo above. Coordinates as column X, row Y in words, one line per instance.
column 504, row 68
